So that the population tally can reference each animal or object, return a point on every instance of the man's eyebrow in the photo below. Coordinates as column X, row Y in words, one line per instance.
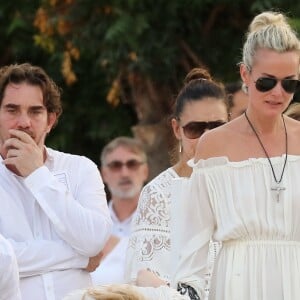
column 11, row 105
column 34, row 107
column 37, row 107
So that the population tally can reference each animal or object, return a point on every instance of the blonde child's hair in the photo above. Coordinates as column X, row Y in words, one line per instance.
column 107, row 292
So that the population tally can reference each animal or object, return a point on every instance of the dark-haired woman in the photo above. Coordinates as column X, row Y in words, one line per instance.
column 200, row 106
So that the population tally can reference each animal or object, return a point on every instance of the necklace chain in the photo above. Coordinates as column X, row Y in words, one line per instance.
column 266, row 153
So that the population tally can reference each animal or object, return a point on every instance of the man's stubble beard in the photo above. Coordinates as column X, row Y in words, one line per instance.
column 128, row 194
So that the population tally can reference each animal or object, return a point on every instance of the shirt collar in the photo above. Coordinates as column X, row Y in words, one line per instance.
column 114, row 216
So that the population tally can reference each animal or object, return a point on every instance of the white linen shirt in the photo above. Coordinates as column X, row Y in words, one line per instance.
column 9, row 275
column 56, row 218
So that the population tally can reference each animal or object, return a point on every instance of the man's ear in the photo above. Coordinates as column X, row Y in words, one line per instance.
column 52, row 117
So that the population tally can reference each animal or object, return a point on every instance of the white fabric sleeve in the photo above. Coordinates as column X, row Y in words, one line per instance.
column 149, row 243
column 9, row 275
column 80, row 215
column 192, row 226
column 37, row 257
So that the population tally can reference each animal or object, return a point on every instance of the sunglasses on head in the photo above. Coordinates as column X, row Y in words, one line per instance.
column 194, row 130
column 117, row 165
column 264, row 84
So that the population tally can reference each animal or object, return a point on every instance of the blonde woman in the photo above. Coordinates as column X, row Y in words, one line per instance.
column 244, row 190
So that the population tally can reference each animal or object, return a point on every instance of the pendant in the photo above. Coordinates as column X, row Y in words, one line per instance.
column 277, row 189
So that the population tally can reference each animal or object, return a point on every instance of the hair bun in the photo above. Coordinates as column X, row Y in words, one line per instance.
column 197, row 73
column 266, row 19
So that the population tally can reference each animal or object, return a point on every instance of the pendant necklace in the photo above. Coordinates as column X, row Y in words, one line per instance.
column 278, row 188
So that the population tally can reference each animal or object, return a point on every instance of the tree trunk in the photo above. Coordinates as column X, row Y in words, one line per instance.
column 157, row 139
column 153, row 105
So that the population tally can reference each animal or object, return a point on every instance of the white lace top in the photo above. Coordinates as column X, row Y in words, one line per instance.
column 149, row 244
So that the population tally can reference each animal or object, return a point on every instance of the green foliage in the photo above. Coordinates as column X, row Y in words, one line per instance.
column 16, row 31
column 113, row 30
column 88, row 121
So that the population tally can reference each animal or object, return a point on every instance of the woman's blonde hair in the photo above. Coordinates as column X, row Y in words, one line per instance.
column 269, row 30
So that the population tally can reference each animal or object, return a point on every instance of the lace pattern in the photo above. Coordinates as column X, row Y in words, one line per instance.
column 214, row 249
column 149, row 244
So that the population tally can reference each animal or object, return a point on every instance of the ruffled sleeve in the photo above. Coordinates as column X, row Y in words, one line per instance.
column 192, row 226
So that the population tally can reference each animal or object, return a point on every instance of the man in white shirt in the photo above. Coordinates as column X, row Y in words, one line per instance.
column 9, row 275
column 124, row 169
column 54, row 210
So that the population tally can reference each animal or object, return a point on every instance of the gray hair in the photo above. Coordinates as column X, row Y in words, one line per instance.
column 132, row 144
column 269, row 30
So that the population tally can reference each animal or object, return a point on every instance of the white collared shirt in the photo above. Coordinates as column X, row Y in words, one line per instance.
column 9, row 275
column 120, row 228
column 55, row 218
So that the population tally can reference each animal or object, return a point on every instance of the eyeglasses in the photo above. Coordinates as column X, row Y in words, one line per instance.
column 264, row 84
column 117, row 165
column 194, row 130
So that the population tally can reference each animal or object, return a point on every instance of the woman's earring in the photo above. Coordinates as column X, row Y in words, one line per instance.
column 245, row 88
column 180, row 146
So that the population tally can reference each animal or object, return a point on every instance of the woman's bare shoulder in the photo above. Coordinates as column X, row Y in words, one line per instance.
column 293, row 129
column 292, row 123
column 216, row 142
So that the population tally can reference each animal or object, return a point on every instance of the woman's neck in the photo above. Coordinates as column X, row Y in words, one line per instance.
column 182, row 169
column 264, row 125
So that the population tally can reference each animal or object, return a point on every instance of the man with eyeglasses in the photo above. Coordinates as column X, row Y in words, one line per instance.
column 124, row 169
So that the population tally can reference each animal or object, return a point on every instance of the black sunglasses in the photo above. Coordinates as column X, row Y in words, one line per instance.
column 264, row 84
column 131, row 164
column 194, row 130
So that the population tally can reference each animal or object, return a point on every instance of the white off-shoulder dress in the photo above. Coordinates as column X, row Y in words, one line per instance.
column 233, row 202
